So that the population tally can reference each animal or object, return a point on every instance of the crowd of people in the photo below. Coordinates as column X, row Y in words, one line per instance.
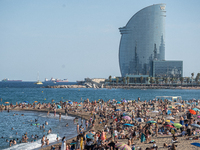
column 114, row 123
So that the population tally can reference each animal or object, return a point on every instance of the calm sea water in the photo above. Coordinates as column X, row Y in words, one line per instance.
column 19, row 92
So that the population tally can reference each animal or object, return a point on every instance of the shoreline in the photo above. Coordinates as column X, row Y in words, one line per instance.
column 84, row 115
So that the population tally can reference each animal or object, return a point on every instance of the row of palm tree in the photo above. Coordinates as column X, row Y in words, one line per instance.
column 157, row 80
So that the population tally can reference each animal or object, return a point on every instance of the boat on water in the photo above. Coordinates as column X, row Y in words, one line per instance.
column 51, row 80
column 8, row 80
column 64, row 80
column 38, row 82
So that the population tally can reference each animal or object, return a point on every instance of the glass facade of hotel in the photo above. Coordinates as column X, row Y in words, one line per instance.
column 142, row 41
column 170, row 69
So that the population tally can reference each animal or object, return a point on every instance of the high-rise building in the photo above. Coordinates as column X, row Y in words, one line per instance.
column 142, row 41
column 164, row 69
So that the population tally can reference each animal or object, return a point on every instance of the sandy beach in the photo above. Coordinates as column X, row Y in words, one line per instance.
column 109, row 109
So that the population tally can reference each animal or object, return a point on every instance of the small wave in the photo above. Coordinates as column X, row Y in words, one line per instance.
column 57, row 116
column 34, row 145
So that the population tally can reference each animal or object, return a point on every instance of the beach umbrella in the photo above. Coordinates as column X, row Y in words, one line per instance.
column 118, row 110
column 26, row 102
column 169, row 112
column 35, row 101
column 192, row 111
column 122, row 146
column 151, row 121
column 169, row 117
column 196, row 144
column 177, row 125
column 6, row 102
column 130, row 125
column 70, row 103
column 188, row 103
column 58, row 106
column 118, row 102
column 124, row 101
column 195, row 125
column 198, row 116
column 125, row 114
column 90, row 136
column 78, row 105
column 169, row 126
column 170, row 100
column 178, row 104
column 155, row 111
column 126, row 117
column 169, row 121
column 195, row 109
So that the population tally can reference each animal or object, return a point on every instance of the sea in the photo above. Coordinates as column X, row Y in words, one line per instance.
column 28, row 91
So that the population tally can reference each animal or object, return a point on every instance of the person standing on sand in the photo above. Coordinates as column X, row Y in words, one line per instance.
column 63, row 146
column 77, row 128
column 42, row 140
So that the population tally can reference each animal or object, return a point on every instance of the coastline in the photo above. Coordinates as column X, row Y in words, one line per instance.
column 184, row 87
column 84, row 115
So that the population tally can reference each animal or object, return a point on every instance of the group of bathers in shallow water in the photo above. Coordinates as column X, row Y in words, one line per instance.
column 33, row 138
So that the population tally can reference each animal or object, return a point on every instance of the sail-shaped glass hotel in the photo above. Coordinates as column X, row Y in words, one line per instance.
column 142, row 41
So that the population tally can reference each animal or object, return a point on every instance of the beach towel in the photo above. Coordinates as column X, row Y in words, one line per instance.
column 143, row 137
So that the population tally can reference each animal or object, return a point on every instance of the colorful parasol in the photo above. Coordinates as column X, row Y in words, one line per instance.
column 192, row 111
column 195, row 109
column 177, row 125
column 169, row 121
column 127, row 117
column 151, row 121
column 169, row 126
column 6, row 102
column 122, row 146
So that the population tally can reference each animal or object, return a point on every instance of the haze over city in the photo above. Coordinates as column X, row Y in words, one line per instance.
column 78, row 39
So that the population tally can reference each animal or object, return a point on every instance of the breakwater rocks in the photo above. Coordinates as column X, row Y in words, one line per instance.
column 65, row 86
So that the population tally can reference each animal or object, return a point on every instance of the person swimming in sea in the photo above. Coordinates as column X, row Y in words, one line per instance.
column 67, row 125
column 46, row 123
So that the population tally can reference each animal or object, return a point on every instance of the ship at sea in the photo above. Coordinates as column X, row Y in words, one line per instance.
column 8, row 80
column 51, row 80
column 55, row 80
column 64, row 80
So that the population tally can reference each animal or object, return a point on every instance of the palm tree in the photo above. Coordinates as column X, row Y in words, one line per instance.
column 151, row 80
column 148, row 79
column 166, row 80
column 181, row 79
column 197, row 78
column 127, row 80
column 188, row 80
column 157, row 80
column 117, row 80
column 110, row 79
column 135, row 80
column 192, row 74
column 124, row 80
column 141, row 79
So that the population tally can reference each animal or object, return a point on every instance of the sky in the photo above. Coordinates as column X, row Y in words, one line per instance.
column 75, row 39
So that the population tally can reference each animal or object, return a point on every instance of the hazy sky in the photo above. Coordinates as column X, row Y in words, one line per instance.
column 75, row 39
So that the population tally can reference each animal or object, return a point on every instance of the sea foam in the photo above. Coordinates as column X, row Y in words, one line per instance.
column 33, row 145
